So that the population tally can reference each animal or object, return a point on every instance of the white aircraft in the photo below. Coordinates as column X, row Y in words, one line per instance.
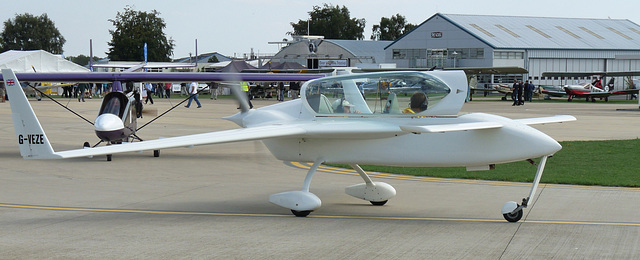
column 318, row 128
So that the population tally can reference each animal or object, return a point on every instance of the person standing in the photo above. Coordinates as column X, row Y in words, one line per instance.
column 167, row 89
column 80, row 90
column 2, row 92
column 149, row 88
column 193, row 92
column 530, row 89
column 281, row 91
column 244, row 86
column 213, row 88
column 514, row 92
column 526, row 90
column 520, row 92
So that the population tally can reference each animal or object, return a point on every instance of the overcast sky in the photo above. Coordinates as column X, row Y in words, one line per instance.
column 233, row 27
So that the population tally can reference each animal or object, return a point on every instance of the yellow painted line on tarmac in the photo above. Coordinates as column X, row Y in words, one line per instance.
column 338, row 170
column 196, row 213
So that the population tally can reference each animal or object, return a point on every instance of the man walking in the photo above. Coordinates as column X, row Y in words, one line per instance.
column 193, row 91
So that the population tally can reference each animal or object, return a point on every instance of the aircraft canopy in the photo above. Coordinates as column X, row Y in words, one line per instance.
column 384, row 93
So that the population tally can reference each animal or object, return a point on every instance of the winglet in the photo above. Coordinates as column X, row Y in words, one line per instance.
column 32, row 140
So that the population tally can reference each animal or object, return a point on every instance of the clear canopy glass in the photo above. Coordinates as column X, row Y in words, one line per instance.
column 393, row 93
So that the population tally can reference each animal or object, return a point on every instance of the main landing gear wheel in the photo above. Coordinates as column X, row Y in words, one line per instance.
column 109, row 157
column 302, row 213
column 156, row 153
column 514, row 216
column 378, row 203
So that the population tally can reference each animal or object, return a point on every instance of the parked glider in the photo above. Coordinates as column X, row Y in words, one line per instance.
column 333, row 122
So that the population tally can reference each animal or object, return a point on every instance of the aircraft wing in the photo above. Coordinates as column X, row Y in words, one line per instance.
column 451, row 127
column 484, row 125
column 611, row 93
column 546, row 120
column 91, row 77
column 593, row 73
column 554, row 93
column 468, row 70
column 483, row 89
column 491, row 70
column 227, row 136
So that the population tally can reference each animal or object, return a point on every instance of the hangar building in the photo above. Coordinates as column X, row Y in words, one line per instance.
column 316, row 52
column 538, row 44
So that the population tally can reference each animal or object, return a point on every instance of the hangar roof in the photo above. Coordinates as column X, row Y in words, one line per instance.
column 363, row 48
column 523, row 32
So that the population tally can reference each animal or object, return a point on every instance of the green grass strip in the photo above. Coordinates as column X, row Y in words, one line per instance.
column 603, row 163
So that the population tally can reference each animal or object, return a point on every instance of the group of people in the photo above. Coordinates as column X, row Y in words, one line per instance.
column 519, row 89
column 161, row 90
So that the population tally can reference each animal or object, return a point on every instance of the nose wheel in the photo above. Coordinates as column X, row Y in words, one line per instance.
column 513, row 216
column 301, row 213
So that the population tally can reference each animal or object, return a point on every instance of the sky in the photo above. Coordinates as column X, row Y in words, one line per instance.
column 235, row 27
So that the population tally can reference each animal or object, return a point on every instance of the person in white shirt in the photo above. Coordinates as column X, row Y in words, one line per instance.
column 193, row 92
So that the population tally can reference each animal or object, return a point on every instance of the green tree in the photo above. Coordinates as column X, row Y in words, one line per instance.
column 332, row 22
column 81, row 60
column 28, row 32
column 391, row 29
column 133, row 30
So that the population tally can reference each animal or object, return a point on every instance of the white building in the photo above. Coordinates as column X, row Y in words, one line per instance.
column 538, row 44
column 316, row 52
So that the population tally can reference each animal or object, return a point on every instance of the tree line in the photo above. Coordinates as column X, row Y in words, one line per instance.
column 133, row 28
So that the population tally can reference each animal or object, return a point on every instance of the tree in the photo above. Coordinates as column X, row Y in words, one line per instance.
column 391, row 29
column 28, row 32
column 81, row 60
column 332, row 22
column 133, row 30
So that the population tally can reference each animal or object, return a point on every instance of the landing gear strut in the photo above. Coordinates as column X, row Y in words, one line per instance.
column 511, row 211
column 302, row 203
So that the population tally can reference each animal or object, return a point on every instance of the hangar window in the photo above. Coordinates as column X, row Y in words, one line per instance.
column 399, row 54
column 410, row 54
column 508, row 55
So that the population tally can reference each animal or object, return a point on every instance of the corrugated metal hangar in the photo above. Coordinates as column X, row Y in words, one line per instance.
column 538, row 44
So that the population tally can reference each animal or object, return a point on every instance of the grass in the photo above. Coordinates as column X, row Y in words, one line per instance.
column 603, row 163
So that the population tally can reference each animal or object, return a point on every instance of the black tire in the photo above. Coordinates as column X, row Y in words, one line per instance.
column 109, row 157
column 302, row 213
column 156, row 153
column 378, row 203
column 513, row 217
column 86, row 145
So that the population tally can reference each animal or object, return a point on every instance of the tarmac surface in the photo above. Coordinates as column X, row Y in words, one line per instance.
column 212, row 201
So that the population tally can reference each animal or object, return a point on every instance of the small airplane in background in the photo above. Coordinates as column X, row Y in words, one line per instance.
column 116, row 121
column 588, row 90
column 333, row 122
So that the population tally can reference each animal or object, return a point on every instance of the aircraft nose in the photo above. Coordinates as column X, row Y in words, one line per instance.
column 545, row 145
column 108, row 122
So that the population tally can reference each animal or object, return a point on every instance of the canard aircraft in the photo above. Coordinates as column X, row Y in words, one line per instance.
column 318, row 128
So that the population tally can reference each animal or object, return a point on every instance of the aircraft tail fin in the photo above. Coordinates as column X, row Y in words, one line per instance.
column 32, row 140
